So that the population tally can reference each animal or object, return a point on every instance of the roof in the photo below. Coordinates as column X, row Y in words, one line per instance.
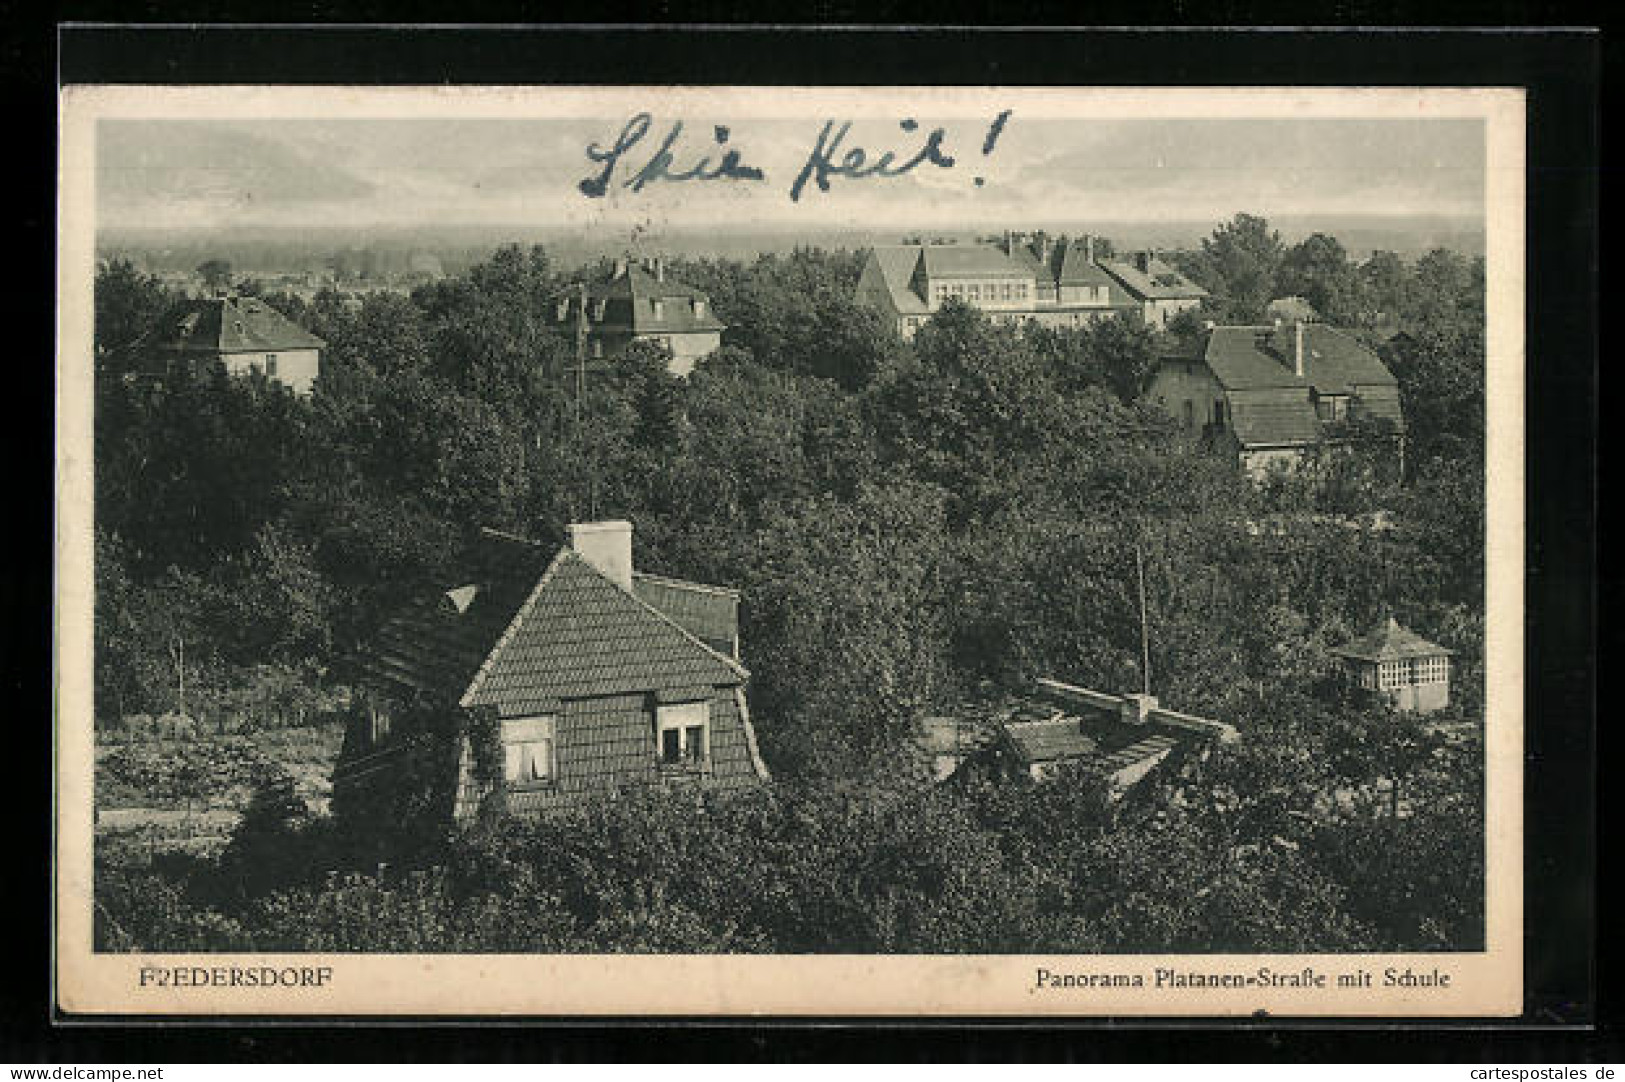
column 580, row 634
column 1158, row 281
column 1260, row 356
column 970, row 261
column 228, row 325
column 895, row 265
column 1390, row 641
column 1064, row 723
column 628, row 300
column 709, row 613
column 436, row 643
column 535, row 631
column 1274, row 419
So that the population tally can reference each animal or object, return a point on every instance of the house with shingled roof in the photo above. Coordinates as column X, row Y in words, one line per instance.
column 641, row 303
column 1272, row 394
column 245, row 334
column 1122, row 739
column 542, row 680
column 1396, row 662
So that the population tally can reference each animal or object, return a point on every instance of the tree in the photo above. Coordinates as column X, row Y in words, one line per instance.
column 1239, row 264
column 1385, row 286
column 128, row 305
column 1318, row 269
column 216, row 273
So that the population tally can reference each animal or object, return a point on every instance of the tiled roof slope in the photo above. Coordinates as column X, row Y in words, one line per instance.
column 1333, row 362
column 607, row 743
column 709, row 613
column 228, row 325
column 1158, row 281
column 891, row 269
column 1274, row 418
column 970, row 261
column 581, row 635
column 1390, row 641
column 434, row 648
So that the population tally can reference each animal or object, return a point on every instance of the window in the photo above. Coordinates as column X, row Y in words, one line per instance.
column 527, row 751
column 660, row 308
column 683, row 730
column 270, row 365
column 973, row 292
column 1431, row 670
column 1393, row 675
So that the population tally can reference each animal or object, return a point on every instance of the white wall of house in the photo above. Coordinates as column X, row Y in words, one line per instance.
column 297, row 368
column 687, row 348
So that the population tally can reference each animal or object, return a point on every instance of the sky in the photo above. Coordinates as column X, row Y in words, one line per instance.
column 435, row 171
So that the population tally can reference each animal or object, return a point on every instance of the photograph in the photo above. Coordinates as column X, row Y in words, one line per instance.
column 737, row 550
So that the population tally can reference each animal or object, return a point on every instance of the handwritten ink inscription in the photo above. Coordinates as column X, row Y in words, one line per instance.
column 659, row 165
column 833, row 155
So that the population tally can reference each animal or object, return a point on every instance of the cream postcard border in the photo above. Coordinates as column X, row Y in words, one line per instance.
column 1488, row 983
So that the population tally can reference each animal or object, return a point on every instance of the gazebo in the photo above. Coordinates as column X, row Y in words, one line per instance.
column 1397, row 662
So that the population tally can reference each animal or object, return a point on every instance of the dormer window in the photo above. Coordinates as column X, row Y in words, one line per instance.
column 528, row 751
column 659, row 307
column 699, row 308
column 683, row 732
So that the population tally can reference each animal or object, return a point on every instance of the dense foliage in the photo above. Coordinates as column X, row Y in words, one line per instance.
column 913, row 526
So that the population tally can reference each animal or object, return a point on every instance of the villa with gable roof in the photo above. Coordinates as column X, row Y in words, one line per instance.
column 1272, row 394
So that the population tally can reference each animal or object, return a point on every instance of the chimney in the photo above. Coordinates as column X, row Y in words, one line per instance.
column 1137, row 708
column 1089, row 248
column 1144, row 259
column 607, row 546
column 620, row 267
column 660, row 268
column 1297, row 348
column 1009, row 242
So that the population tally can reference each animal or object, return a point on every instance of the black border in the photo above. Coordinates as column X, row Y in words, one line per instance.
column 1562, row 71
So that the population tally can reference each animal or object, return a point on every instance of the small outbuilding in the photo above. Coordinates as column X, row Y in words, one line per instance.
column 1397, row 662
column 1121, row 738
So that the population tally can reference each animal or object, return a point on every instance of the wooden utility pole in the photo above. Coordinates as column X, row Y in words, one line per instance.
column 1145, row 630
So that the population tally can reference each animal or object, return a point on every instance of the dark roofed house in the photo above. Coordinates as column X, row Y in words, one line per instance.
column 1413, row 673
column 1120, row 738
column 1272, row 393
column 550, row 680
column 641, row 303
column 243, row 333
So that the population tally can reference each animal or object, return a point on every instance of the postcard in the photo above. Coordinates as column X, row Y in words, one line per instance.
column 982, row 552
